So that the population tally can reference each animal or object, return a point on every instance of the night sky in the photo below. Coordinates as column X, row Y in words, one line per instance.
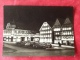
column 32, row 17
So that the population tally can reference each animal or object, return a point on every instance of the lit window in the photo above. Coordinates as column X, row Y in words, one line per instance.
column 57, row 29
column 56, row 38
column 47, row 31
column 54, row 29
column 64, row 33
column 63, row 28
column 70, row 33
column 45, row 24
column 73, row 37
column 45, row 35
column 67, row 33
column 69, row 28
column 48, row 28
column 43, row 28
column 50, row 31
column 50, row 35
column 58, row 33
column 66, row 28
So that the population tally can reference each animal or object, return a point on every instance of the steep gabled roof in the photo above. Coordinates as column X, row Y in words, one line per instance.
column 57, row 23
column 67, row 21
column 43, row 25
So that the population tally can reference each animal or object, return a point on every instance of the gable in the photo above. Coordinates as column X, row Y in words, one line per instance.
column 45, row 24
column 56, row 24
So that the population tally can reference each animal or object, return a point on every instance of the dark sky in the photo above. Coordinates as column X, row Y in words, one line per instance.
column 32, row 17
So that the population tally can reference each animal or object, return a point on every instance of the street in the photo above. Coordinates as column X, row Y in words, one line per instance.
column 21, row 51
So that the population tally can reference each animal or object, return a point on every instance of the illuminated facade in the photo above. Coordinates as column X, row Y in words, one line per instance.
column 45, row 33
column 57, row 31
column 15, row 35
column 36, row 37
column 67, row 35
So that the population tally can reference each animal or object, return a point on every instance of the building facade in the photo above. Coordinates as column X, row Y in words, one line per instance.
column 36, row 37
column 67, row 35
column 57, row 31
column 55, row 34
column 45, row 33
column 11, row 34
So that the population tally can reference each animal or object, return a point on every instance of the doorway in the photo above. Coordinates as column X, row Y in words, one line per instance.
column 11, row 39
column 22, row 38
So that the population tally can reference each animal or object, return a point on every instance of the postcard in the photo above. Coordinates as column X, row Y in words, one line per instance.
column 38, row 31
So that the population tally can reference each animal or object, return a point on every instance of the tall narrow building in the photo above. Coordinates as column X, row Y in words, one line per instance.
column 57, row 31
column 67, row 33
column 45, row 33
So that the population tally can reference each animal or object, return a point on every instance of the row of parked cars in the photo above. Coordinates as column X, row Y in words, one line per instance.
column 34, row 44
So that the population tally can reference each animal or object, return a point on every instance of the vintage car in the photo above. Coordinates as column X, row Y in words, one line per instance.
column 21, row 43
column 42, row 45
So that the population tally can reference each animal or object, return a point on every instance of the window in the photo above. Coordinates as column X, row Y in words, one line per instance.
column 56, row 29
column 22, row 32
column 50, row 31
column 55, row 37
column 69, row 28
column 4, row 39
column 65, row 28
column 70, row 33
column 65, row 33
column 55, row 33
column 50, row 35
column 47, row 27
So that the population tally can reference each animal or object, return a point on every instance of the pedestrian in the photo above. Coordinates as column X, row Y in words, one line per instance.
column 59, row 44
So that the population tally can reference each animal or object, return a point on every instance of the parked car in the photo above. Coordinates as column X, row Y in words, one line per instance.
column 37, row 45
column 47, row 45
column 21, row 43
column 27, row 44
column 42, row 45
column 18, row 43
